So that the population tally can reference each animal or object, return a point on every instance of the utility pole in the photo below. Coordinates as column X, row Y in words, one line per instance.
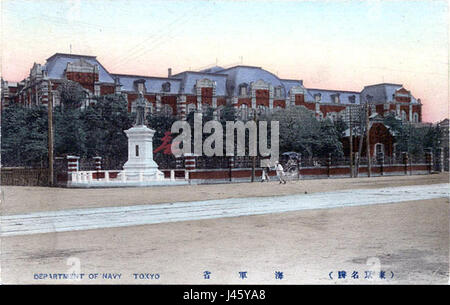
column 255, row 119
column 351, row 142
column 50, row 134
column 369, row 166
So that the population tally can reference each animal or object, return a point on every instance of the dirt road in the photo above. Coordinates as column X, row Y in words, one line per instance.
column 19, row 199
column 407, row 242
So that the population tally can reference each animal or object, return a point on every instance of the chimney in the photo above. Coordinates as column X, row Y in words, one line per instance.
column 169, row 72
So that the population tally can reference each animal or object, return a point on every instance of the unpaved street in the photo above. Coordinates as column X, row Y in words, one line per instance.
column 409, row 241
column 110, row 217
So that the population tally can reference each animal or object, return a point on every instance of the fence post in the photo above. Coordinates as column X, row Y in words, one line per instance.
column 98, row 165
column 73, row 164
column 189, row 161
column 189, row 164
column 230, row 166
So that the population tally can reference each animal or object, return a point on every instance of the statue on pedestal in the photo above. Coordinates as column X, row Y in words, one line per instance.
column 140, row 110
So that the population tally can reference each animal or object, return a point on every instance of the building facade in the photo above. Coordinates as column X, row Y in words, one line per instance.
column 247, row 88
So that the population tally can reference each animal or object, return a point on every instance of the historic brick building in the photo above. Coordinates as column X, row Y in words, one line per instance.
column 245, row 87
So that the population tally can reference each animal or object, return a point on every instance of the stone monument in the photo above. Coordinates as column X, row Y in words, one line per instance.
column 140, row 165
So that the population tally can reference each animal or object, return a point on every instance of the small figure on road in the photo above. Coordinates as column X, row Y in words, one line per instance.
column 280, row 172
column 265, row 174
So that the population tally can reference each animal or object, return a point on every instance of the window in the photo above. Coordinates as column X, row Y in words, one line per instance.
column 205, row 108
column 278, row 92
column 190, row 108
column 166, row 87
column 97, row 90
column 243, row 111
column 379, row 150
column 317, row 97
column 403, row 113
column 262, row 110
column 243, row 89
column 335, row 98
column 415, row 117
column 166, row 110
column 140, row 87
column 137, row 150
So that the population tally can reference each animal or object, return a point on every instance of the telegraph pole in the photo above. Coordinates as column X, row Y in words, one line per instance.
column 351, row 142
column 369, row 166
column 50, row 134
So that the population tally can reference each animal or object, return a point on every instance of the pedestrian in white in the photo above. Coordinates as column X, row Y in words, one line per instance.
column 265, row 174
column 280, row 172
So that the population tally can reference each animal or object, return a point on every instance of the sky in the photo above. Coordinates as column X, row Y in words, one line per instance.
column 342, row 45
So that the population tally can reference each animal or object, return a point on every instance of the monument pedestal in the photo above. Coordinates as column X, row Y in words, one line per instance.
column 140, row 165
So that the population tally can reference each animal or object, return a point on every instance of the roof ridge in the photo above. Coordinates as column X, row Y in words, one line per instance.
column 71, row 55
column 331, row 90
column 143, row 76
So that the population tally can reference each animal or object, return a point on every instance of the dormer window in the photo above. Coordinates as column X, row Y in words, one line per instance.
column 140, row 85
column 335, row 98
column 166, row 87
column 317, row 97
column 243, row 89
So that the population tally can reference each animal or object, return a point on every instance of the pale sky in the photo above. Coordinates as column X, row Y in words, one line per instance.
column 341, row 45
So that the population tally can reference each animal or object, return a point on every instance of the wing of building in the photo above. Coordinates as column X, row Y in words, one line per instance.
column 247, row 88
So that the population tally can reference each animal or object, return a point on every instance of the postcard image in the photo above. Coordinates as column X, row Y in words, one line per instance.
column 224, row 143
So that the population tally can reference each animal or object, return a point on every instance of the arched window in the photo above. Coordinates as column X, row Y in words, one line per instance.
column 190, row 108
column 165, row 87
column 379, row 149
column 243, row 111
column 243, row 89
column 416, row 117
column 403, row 115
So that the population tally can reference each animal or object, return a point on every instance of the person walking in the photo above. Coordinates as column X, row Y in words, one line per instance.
column 280, row 172
column 265, row 174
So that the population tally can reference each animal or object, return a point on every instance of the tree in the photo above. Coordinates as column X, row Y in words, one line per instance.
column 103, row 123
column 24, row 136
column 414, row 139
column 70, row 135
column 301, row 132
column 330, row 139
column 162, row 124
column 71, row 94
